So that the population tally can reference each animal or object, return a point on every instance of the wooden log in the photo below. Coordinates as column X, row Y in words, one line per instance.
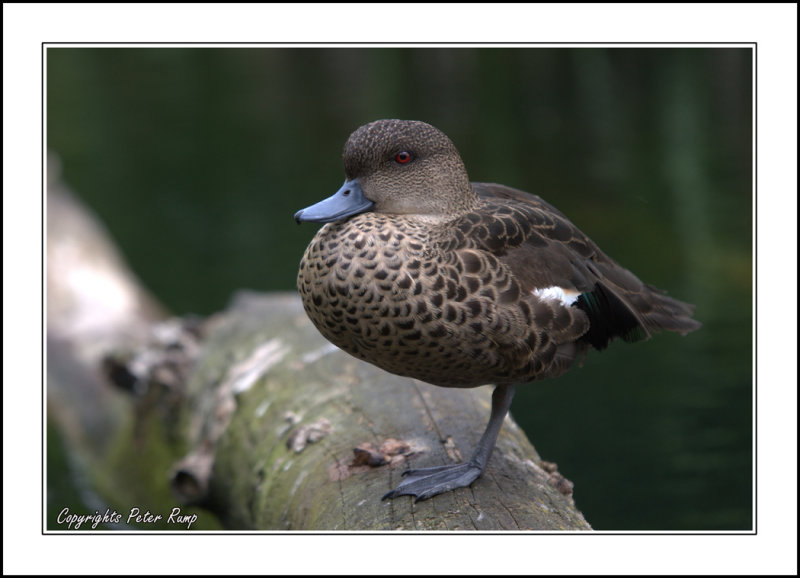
column 253, row 416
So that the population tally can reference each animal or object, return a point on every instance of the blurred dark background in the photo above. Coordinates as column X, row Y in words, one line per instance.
column 197, row 158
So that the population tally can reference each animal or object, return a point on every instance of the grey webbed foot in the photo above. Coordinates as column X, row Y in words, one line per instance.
column 425, row 483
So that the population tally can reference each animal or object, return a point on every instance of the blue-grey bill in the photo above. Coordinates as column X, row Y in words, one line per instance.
column 346, row 202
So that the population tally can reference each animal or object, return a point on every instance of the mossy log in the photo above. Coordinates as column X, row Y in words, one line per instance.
column 252, row 415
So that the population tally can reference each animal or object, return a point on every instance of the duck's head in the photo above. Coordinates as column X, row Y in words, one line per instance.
column 401, row 167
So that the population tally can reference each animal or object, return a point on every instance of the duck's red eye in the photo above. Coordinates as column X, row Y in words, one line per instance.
column 403, row 157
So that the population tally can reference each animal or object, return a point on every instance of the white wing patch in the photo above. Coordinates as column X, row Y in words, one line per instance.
column 566, row 296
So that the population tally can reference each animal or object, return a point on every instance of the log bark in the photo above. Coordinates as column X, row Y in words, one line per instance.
column 250, row 415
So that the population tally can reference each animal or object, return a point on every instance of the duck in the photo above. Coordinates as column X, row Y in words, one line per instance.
column 461, row 284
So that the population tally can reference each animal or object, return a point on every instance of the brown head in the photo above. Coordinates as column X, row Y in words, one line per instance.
column 403, row 167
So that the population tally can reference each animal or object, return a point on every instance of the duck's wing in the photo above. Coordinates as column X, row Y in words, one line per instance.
column 552, row 259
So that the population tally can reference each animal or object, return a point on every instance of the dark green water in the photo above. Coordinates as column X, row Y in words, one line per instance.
column 196, row 160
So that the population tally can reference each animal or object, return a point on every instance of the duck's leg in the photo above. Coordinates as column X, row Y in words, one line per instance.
column 427, row 482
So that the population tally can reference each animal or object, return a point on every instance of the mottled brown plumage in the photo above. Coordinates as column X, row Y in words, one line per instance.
column 461, row 284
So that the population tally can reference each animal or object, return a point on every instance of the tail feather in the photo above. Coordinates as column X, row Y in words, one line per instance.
column 632, row 316
column 669, row 314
